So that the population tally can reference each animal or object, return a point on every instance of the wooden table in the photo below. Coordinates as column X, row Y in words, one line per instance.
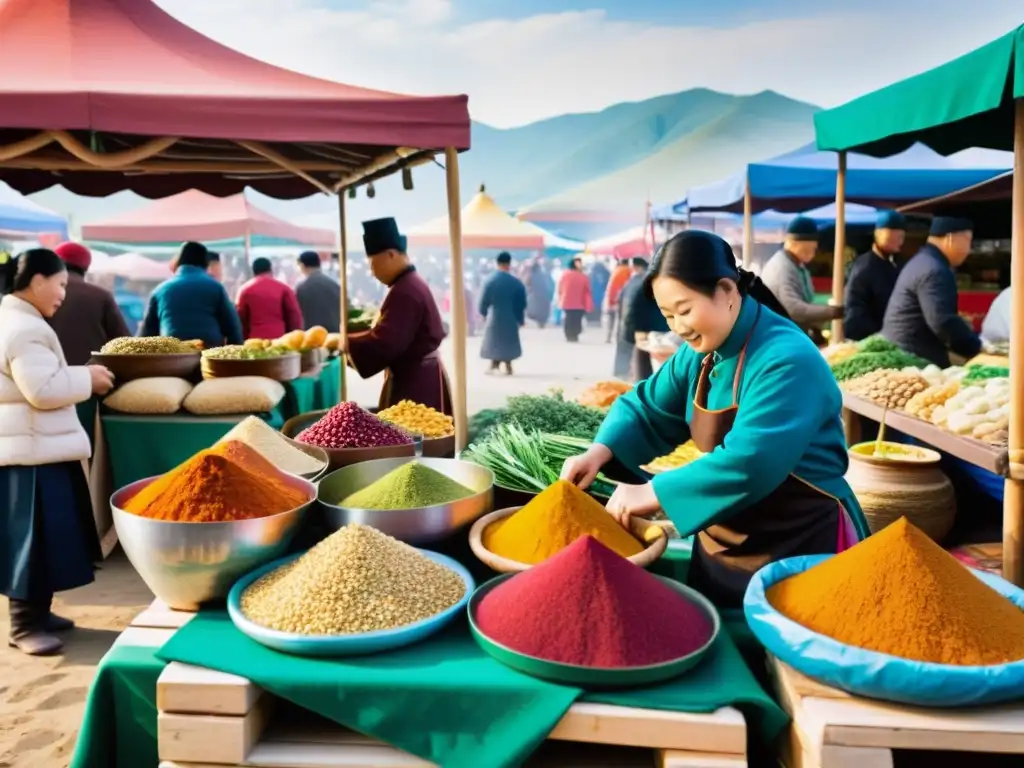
column 210, row 718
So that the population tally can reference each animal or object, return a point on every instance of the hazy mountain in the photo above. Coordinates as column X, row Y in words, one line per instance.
column 604, row 160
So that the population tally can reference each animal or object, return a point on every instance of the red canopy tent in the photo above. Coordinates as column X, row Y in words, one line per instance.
column 104, row 95
column 195, row 215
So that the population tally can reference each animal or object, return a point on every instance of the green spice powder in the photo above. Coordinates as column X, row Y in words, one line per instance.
column 411, row 485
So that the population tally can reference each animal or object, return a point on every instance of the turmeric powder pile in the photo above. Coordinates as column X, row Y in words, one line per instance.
column 552, row 521
column 228, row 482
column 900, row 593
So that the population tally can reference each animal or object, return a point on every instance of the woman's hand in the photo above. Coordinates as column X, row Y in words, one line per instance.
column 581, row 470
column 630, row 501
column 102, row 379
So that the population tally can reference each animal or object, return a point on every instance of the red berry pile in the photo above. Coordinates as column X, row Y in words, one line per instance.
column 349, row 426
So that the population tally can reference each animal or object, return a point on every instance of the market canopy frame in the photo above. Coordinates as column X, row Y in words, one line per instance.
column 976, row 100
column 106, row 95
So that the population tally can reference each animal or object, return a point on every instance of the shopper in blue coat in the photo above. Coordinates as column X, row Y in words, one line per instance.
column 758, row 399
column 192, row 305
column 503, row 306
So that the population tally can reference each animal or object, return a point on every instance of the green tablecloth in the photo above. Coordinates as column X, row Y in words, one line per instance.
column 87, row 417
column 328, row 385
column 446, row 701
column 119, row 727
column 146, row 446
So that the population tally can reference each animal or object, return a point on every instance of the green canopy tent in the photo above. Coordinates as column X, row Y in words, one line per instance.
column 976, row 100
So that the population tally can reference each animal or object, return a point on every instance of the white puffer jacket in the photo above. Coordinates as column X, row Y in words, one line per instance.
column 38, row 391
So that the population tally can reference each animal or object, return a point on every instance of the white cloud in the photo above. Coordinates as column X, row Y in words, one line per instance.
column 517, row 71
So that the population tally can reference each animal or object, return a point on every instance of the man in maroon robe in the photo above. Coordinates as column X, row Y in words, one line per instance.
column 404, row 343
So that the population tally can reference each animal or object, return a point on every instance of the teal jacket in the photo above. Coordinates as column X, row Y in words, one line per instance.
column 789, row 423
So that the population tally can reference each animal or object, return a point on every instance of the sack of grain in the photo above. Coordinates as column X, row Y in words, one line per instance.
column 156, row 395
column 240, row 394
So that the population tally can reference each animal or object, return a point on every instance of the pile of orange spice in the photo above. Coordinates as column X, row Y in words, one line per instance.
column 899, row 593
column 228, row 482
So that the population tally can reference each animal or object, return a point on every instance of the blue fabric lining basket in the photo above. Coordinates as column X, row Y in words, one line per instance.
column 871, row 674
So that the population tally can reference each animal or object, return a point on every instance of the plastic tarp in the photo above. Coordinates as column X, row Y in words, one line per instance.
column 872, row 674
column 631, row 243
column 988, row 205
column 194, row 215
column 21, row 216
column 806, row 178
column 133, row 266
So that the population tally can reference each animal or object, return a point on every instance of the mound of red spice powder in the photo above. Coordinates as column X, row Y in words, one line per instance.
column 593, row 608
column 349, row 426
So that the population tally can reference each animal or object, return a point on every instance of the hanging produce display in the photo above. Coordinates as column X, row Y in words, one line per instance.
column 554, row 520
column 589, row 607
column 356, row 580
column 901, row 594
column 529, row 460
column 410, row 486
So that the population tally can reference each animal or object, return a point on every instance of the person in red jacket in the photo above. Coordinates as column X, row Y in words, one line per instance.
column 267, row 307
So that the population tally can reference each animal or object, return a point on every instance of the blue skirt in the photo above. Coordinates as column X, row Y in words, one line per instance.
column 47, row 537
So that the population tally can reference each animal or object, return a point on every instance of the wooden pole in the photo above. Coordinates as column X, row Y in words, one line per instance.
column 1013, row 492
column 343, row 280
column 839, row 253
column 748, row 225
column 458, row 288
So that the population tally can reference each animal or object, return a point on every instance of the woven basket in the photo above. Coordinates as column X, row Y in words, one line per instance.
column 893, row 487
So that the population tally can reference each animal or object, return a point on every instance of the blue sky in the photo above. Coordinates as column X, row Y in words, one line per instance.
column 524, row 60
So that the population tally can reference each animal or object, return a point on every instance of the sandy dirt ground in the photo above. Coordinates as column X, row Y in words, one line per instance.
column 42, row 700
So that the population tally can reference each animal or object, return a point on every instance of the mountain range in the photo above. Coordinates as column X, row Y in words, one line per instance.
column 606, row 165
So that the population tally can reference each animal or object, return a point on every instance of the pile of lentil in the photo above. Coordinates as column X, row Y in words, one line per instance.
column 147, row 345
column 349, row 426
column 410, row 486
column 273, row 446
column 228, row 482
column 589, row 607
column 356, row 580
column 418, row 419
column 553, row 520
column 899, row 593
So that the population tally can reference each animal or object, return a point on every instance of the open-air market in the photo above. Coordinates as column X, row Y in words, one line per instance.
column 634, row 427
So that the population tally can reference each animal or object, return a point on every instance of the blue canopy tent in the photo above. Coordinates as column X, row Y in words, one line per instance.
column 806, row 178
column 856, row 215
column 21, row 216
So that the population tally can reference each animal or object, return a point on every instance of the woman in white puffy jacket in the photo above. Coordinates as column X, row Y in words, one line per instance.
column 44, row 497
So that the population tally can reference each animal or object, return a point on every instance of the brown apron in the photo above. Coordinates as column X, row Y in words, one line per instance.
column 439, row 399
column 794, row 519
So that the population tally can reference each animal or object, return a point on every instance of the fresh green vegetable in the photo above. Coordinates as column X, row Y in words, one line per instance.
column 978, row 373
column 875, row 344
column 866, row 362
column 528, row 460
column 552, row 414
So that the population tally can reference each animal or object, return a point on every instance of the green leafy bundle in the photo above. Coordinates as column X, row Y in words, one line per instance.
column 979, row 373
column 865, row 362
column 551, row 414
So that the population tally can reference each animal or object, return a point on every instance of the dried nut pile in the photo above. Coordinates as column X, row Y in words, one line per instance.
column 418, row 419
column 887, row 387
column 349, row 426
column 923, row 404
column 356, row 580
column 243, row 352
column 147, row 345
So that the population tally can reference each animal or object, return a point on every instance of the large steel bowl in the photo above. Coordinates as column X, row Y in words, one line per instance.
column 187, row 564
column 413, row 526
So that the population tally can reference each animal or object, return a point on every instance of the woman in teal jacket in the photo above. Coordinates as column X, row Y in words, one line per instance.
column 758, row 399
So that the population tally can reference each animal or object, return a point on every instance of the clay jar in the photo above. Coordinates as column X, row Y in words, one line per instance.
column 906, row 482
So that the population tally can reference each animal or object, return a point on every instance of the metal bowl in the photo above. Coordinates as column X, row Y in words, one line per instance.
column 414, row 526
column 179, row 365
column 317, row 453
column 187, row 564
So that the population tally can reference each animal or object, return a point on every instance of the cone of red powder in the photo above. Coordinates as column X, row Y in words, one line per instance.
column 590, row 607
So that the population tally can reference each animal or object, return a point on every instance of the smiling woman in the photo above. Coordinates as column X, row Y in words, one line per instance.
column 757, row 398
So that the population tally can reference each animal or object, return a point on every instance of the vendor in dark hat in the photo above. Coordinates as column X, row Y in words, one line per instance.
column 404, row 343
column 922, row 316
column 787, row 276
column 872, row 278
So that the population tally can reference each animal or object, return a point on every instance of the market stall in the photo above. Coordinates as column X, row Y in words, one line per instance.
column 976, row 100
column 21, row 217
column 91, row 121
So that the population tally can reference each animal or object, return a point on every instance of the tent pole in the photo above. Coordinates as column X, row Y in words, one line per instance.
column 343, row 280
column 748, row 225
column 839, row 252
column 458, row 290
column 1013, row 493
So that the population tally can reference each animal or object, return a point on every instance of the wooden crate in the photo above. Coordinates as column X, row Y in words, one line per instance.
column 208, row 718
column 833, row 729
